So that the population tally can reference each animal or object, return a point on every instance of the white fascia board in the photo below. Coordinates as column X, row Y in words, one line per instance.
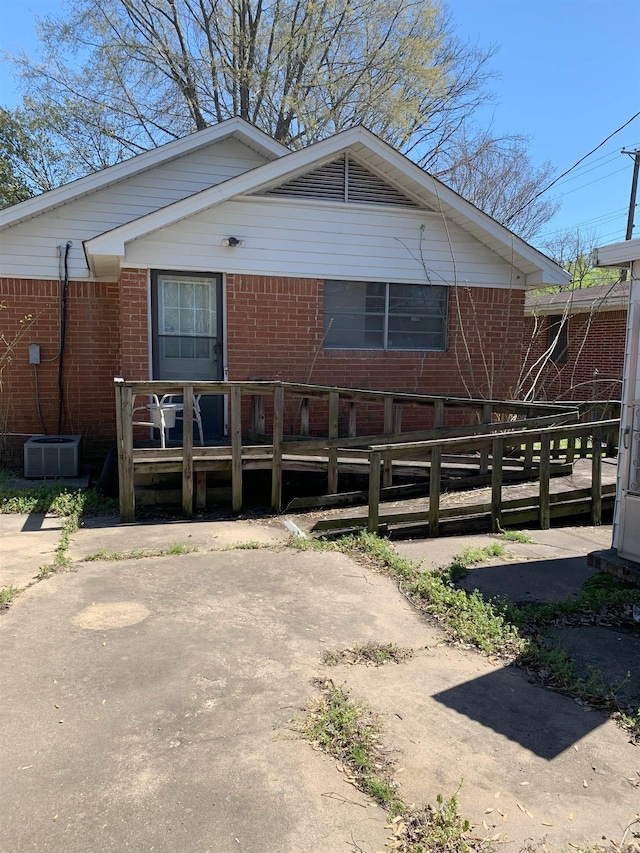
column 263, row 177
column 236, row 127
column 617, row 254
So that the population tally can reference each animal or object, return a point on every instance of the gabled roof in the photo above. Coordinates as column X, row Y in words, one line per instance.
column 617, row 254
column 377, row 156
column 601, row 297
column 233, row 127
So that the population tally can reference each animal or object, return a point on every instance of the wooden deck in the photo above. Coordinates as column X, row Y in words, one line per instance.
column 480, row 440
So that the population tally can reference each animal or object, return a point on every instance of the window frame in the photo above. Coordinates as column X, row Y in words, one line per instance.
column 388, row 285
column 558, row 338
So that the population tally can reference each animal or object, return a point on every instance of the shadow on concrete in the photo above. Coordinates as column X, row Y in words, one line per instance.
column 546, row 727
column 531, row 580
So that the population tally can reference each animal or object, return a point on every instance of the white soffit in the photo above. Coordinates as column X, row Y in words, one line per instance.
column 234, row 127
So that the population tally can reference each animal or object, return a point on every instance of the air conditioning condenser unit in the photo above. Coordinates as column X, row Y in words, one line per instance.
column 52, row 456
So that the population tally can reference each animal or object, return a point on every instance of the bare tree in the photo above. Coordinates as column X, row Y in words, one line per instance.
column 117, row 77
column 497, row 175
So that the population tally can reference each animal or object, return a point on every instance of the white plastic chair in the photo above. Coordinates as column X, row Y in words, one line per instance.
column 164, row 413
column 167, row 402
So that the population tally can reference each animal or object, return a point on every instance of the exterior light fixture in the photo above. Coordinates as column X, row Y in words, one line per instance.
column 232, row 242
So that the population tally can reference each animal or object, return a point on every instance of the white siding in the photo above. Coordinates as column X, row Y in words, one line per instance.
column 29, row 249
column 315, row 240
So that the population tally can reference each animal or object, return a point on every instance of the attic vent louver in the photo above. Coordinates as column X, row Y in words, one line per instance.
column 343, row 180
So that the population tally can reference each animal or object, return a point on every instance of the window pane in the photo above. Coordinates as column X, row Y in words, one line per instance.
column 170, row 294
column 171, row 347
column 354, row 315
column 171, row 321
column 186, row 295
column 417, row 317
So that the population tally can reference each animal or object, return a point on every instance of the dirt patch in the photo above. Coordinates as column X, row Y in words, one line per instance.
column 115, row 614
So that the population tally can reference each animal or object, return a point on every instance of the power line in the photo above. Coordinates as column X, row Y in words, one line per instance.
column 577, row 163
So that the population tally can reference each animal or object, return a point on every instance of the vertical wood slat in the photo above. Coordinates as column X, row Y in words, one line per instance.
column 438, row 414
column 397, row 419
column 353, row 428
column 276, row 467
column 332, row 460
column 258, row 421
column 596, row 477
column 434, row 490
column 304, row 416
column 187, row 451
column 201, row 489
column 387, row 467
column 528, row 447
column 124, row 422
column 374, row 491
column 545, row 474
column 496, row 483
column 487, row 417
column 571, row 448
column 236, row 448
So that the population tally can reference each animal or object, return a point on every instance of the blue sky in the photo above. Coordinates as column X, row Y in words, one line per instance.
column 568, row 78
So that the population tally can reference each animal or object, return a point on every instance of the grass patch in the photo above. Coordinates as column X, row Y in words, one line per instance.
column 252, row 545
column 7, row 594
column 139, row 553
column 375, row 654
column 71, row 505
column 516, row 536
column 440, row 829
column 352, row 733
column 471, row 556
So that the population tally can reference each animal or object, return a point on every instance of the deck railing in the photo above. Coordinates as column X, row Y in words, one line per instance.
column 257, row 444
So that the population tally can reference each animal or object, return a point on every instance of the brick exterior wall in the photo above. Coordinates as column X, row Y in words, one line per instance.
column 91, row 357
column 596, row 342
column 274, row 331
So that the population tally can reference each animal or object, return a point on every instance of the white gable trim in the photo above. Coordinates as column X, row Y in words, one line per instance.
column 236, row 127
column 366, row 147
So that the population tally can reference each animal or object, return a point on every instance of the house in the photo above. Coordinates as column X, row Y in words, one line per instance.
column 626, row 527
column 224, row 255
column 574, row 342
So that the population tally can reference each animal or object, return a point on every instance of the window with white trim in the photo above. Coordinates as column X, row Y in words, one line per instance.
column 386, row 316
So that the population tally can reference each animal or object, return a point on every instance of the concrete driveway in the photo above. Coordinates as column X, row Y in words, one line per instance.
column 145, row 707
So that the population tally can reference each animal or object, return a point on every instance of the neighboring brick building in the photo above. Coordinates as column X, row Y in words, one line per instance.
column 223, row 255
column 574, row 342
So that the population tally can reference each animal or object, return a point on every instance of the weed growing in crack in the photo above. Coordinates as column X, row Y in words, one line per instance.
column 7, row 594
column 138, row 553
column 375, row 654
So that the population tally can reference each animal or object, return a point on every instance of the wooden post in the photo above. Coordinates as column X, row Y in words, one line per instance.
column 438, row 414
column 487, row 418
column 496, row 483
column 332, row 456
column 353, row 429
column 374, row 491
column 528, row 447
column 304, row 416
column 276, row 470
column 236, row 447
column 258, row 421
column 201, row 489
column 397, row 419
column 545, row 474
column 387, row 466
column 434, row 490
column 187, row 451
column 124, row 422
column 596, row 477
column 571, row 448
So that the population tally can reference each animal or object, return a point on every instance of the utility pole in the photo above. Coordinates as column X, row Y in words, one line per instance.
column 632, row 200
